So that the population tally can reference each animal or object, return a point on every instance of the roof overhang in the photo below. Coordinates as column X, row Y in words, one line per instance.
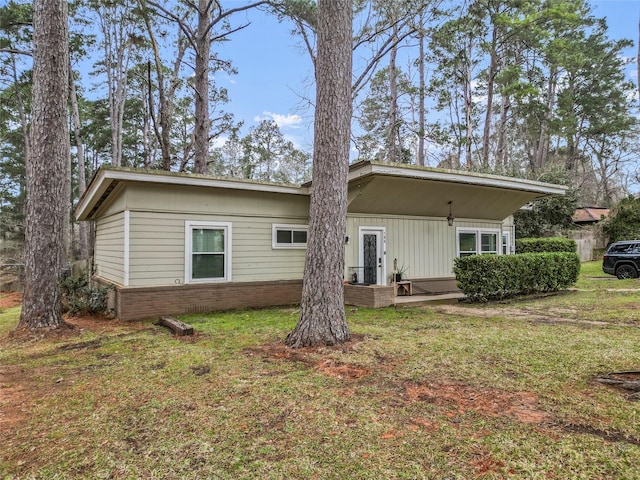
column 394, row 189
column 374, row 188
column 108, row 181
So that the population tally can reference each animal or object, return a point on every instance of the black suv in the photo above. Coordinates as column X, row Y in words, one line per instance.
column 622, row 259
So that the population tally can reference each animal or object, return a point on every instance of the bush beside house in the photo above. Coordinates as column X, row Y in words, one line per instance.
column 539, row 245
column 493, row 277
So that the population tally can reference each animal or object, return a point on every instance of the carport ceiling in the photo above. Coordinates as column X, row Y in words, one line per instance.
column 391, row 190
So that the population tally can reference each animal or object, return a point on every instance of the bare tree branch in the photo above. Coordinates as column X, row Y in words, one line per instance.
column 16, row 51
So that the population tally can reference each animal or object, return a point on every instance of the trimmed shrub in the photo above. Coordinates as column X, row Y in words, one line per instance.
column 539, row 245
column 493, row 277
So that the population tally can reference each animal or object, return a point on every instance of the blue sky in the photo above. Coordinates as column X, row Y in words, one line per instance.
column 275, row 73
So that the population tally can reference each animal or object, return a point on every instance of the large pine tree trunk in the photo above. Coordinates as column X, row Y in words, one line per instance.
column 491, row 77
column 542, row 148
column 468, row 107
column 203, row 50
column 322, row 316
column 393, row 134
column 47, row 168
column 501, row 151
column 84, row 227
column 421, row 99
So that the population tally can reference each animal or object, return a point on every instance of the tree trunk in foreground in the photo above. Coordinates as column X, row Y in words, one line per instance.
column 322, row 317
column 47, row 168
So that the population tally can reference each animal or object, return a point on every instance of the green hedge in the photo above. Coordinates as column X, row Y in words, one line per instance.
column 539, row 245
column 492, row 277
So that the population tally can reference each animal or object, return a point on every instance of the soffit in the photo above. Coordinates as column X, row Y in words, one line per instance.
column 397, row 195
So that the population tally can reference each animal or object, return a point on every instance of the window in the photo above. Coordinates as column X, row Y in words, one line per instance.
column 474, row 241
column 207, row 251
column 289, row 236
column 467, row 244
column 488, row 243
column 506, row 243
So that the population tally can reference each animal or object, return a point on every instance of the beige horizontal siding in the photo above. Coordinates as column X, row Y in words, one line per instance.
column 157, row 248
column 109, row 249
column 199, row 200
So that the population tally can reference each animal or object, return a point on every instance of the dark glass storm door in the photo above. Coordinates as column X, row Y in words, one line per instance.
column 370, row 264
column 372, row 255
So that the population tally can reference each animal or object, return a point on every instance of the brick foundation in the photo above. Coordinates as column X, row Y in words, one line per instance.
column 137, row 303
column 370, row 296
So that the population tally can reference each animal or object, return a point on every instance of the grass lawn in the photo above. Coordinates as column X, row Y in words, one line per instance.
column 456, row 391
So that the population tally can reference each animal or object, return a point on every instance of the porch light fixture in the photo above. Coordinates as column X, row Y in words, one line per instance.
column 450, row 216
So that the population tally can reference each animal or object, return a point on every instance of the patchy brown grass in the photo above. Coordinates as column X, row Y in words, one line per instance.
column 460, row 398
column 457, row 391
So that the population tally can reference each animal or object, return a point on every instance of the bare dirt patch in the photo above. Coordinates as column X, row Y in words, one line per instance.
column 341, row 370
column 308, row 356
column 523, row 406
column 280, row 350
column 485, row 464
column 10, row 299
column 14, row 397
column 74, row 326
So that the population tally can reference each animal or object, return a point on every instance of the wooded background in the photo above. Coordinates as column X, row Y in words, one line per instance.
column 528, row 88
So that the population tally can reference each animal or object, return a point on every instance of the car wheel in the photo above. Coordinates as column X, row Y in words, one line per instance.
column 626, row 271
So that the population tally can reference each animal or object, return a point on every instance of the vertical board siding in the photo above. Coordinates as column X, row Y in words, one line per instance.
column 109, row 249
column 425, row 246
column 157, row 249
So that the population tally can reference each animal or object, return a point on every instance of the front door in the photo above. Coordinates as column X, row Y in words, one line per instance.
column 372, row 255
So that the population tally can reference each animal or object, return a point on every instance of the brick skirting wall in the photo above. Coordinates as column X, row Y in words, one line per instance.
column 137, row 303
column 370, row 296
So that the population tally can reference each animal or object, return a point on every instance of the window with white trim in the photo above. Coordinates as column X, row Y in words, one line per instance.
column 474, row 241
column 506, row 243
column 207, row 251
column 289, row 236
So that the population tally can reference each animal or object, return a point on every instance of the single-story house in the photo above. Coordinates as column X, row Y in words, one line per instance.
column 180, row 243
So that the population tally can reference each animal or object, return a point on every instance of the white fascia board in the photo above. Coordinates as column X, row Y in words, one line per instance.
column 197, row 181
column 459, row 177
column 98, row 185
column 104, row 178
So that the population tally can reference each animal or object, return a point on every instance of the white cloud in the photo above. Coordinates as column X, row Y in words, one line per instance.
column 219, row 142
column 283, row 121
